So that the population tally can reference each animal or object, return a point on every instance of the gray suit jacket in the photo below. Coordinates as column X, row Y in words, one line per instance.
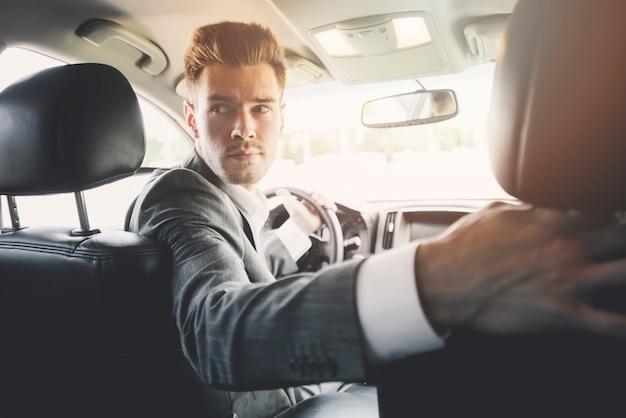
column 241, row 329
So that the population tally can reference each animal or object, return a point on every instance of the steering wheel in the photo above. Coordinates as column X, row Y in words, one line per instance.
column 327, row 241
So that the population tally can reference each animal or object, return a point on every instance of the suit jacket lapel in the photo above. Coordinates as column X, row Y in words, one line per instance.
column 196, row 163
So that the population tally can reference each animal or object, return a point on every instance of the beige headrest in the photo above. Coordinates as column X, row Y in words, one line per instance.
column 557, row 124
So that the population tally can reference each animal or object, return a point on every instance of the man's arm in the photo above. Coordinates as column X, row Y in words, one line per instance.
column 504, row 270
column 239, row 327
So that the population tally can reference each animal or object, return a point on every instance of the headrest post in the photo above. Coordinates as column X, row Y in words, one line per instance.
column 82, row 216
column 15, row 218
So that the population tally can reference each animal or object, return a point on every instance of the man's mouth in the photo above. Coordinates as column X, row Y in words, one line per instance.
column 245, row 155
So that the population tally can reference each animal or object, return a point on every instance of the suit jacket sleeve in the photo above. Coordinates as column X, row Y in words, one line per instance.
column 240, row 328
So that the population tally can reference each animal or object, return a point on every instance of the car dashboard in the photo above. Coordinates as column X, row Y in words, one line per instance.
column 376, row 227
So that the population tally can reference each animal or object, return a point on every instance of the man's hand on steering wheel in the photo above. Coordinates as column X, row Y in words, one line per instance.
column 317, row 217
column 303, row 214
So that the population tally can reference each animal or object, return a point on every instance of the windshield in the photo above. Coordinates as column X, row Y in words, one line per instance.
column 325, row 147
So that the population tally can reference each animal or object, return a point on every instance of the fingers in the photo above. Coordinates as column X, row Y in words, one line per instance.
column 591, row 220
column 316, row 197
column 300, row 212
column 598, row 275
column 286, row 198
column 605, row 243
column 588, row 318
column 323, row 201
column 289, row 201
column 283, row 193
column 609, row 275
column 600, row 235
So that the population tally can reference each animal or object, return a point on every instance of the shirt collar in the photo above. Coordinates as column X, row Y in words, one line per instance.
column 253, row 205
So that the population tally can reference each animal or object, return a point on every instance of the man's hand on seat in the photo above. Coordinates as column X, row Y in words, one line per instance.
column 513, row 269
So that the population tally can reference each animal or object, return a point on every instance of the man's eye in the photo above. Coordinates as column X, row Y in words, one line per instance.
column 261, row 109
column 220, row 109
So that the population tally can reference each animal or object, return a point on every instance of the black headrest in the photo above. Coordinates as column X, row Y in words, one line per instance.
column 557, row 127
column 67, row 129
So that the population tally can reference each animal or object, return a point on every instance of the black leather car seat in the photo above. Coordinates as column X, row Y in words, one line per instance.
column 85, row 315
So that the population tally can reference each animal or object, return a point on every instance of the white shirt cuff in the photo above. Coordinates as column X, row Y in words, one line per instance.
column 388, row 305
column 294, row 239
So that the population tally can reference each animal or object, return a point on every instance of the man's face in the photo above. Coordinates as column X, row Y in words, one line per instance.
column 236, row 120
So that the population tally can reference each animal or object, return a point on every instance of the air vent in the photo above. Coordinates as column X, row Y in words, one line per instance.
column 389, row 229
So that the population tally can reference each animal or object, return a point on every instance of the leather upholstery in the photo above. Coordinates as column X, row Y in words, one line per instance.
column 69, row 128
column 556, row 129
column 357, row 402
column 86, row 328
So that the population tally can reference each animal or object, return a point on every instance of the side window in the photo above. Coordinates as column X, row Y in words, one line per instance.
column 166, row 144
column 16, row 63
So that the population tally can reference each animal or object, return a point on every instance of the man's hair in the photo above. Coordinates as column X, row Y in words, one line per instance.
column 236, row 44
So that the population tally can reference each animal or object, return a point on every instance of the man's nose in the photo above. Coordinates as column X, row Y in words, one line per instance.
column 244, row 127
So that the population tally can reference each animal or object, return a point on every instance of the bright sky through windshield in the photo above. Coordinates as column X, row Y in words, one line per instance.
column 452, row 161
column 326, row 148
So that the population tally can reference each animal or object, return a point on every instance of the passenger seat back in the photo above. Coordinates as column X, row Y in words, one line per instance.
column 86, row 328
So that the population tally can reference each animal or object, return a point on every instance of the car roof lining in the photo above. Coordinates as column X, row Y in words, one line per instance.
column 288, row 22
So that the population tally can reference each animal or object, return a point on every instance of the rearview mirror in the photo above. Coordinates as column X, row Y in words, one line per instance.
column 418, row 107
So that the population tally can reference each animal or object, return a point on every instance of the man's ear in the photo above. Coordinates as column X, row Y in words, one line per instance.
column 190, row 118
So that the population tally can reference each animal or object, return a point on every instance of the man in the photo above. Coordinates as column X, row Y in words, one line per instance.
column 503, row 270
